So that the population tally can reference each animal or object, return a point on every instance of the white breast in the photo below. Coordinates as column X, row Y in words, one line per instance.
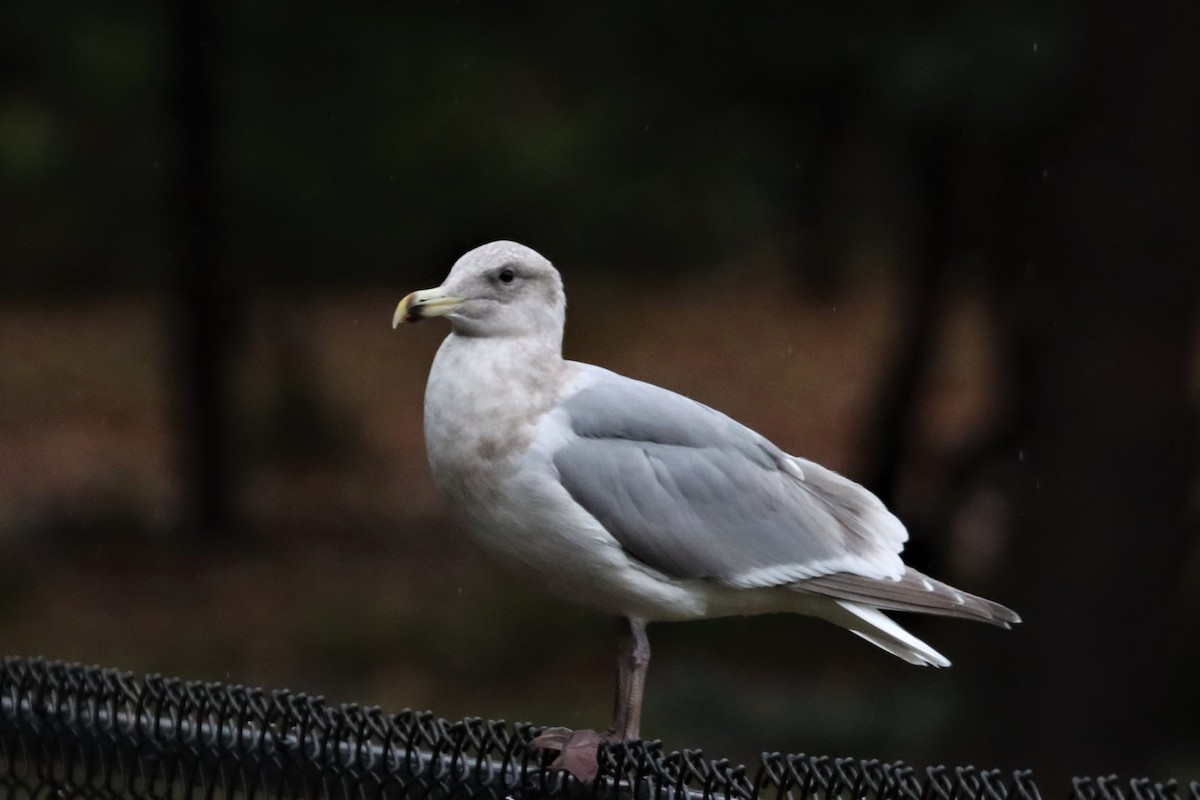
column 490, row 430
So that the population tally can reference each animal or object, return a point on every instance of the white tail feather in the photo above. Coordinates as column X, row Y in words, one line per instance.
column 883, row 632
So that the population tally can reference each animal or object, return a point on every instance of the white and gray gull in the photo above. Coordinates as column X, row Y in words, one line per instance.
column 640, row 502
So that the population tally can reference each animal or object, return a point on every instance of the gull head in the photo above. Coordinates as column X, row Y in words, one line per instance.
column 497, row 289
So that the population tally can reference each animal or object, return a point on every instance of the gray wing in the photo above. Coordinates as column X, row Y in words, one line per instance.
column 694, row 494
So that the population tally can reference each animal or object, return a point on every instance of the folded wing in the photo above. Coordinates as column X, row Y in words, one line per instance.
column 694, row 494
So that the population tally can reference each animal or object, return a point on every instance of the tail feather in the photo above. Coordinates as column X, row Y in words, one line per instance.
column 913, row 591
column 883, row 632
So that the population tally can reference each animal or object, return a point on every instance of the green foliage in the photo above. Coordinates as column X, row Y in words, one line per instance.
column 357, row 141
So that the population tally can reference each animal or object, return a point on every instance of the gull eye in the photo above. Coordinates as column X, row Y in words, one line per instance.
column 506, row 275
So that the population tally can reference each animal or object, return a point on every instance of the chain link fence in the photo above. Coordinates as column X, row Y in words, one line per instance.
column 69, row 731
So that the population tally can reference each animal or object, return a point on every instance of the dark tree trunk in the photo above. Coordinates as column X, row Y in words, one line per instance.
column 928, row 265
column 205, row 306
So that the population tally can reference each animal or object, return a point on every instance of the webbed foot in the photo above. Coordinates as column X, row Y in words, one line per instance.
column 577, row 750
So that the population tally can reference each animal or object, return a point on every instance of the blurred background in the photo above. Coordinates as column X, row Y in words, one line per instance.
column 947, row 249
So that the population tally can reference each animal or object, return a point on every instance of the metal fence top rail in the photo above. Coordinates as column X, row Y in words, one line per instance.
column 74, row 731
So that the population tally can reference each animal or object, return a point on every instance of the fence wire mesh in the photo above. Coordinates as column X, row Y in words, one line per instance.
column 70, row 731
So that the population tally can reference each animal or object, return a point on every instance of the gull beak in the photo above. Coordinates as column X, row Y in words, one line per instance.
column 425, row 303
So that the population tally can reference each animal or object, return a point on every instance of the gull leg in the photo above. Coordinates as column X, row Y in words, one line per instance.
column 577, row 750
column 633, row 658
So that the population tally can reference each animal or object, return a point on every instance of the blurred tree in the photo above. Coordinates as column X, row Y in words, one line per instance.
column 208, row 302
column 928, row 265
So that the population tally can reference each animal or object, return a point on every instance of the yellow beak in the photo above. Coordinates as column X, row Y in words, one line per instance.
column 425, row 303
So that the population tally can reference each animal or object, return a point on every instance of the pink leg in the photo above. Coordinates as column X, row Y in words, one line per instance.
column 633, row 658
column 577, row 749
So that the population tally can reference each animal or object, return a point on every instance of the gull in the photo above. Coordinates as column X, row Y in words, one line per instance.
column 639, row 502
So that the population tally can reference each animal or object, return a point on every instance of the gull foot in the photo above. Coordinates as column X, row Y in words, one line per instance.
column 576, row 750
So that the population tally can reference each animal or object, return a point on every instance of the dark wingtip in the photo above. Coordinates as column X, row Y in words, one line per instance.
column 914, row 592
column 1003, row 616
